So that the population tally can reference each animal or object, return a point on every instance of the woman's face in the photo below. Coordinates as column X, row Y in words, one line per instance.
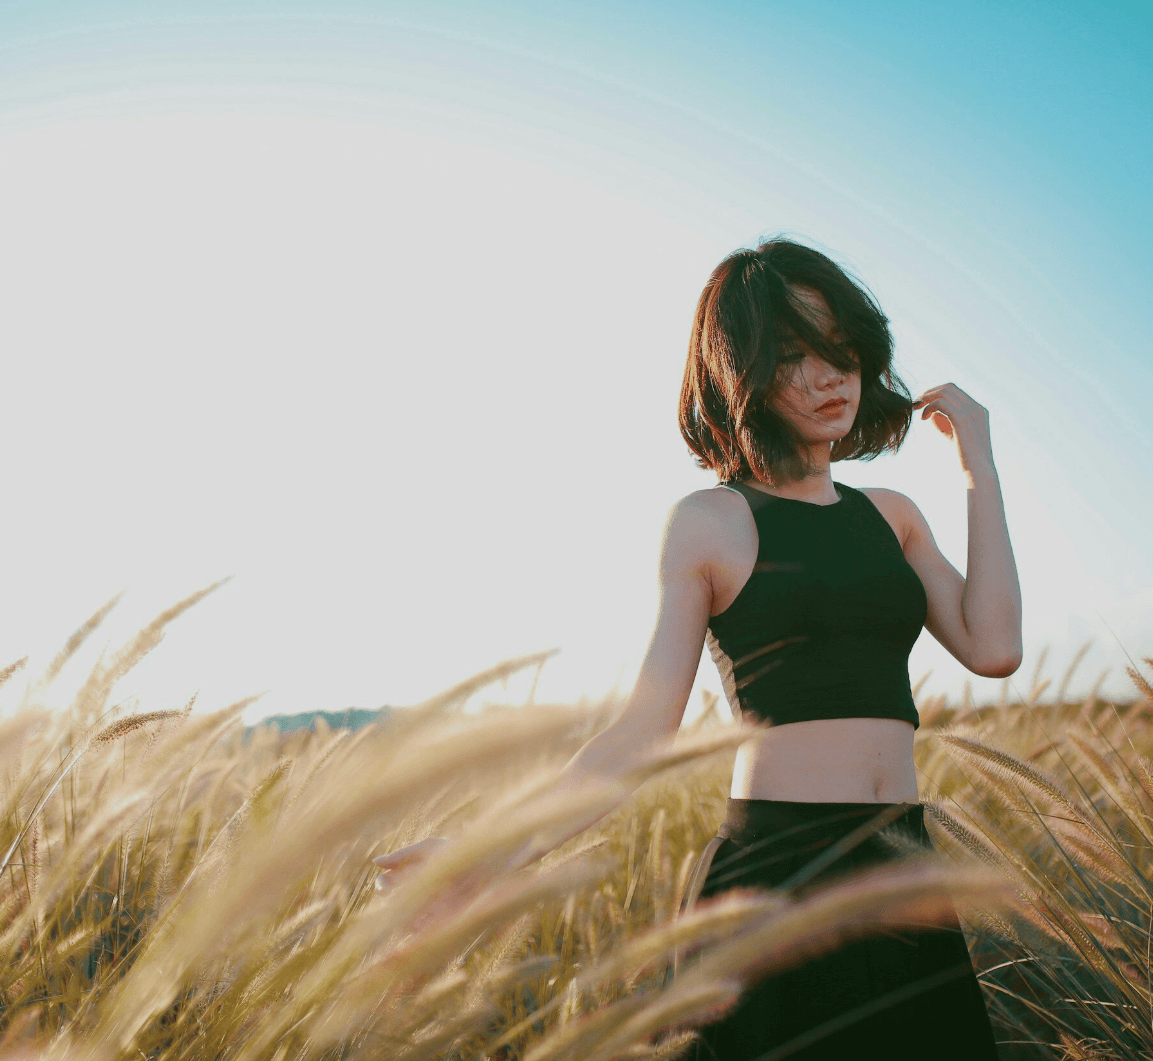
column 808, row 381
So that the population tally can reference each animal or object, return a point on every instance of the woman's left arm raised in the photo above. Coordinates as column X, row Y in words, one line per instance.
column 988, row 629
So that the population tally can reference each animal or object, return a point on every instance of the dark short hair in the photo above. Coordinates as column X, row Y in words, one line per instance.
column 746, row 320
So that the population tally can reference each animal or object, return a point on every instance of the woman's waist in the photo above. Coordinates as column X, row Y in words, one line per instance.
column 805, row 824
column 836, row 760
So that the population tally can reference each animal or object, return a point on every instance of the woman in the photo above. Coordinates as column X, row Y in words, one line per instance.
column 810, row 595
column 816, row 595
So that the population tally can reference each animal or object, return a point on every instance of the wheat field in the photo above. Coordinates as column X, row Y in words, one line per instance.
column 174, row 886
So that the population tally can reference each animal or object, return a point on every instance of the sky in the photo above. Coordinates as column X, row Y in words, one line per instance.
column 382, row 310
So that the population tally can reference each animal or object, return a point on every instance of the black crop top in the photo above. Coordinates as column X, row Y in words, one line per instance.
column 824, row 625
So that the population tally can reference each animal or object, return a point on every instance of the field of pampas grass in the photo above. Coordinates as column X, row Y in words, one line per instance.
column 173, row 887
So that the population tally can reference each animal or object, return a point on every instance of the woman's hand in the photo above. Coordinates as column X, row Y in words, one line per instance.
column 405, row 858
column 960, row 418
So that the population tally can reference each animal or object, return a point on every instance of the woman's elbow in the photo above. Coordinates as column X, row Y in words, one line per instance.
column 1000, row 667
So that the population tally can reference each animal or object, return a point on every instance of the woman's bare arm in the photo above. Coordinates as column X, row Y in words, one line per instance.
column 978, row 617
column 652, row 714
column 653, row 711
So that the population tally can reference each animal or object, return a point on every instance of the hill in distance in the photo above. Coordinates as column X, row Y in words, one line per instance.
column 351, row 718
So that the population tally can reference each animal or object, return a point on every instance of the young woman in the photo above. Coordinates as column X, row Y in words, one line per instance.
column 815, row 593
column 810, row 595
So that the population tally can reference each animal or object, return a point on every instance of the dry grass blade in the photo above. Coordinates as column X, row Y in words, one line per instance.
column 1140, row 681
column 81, row 635
column 132, row 723
column 507, row 946
column 319, row 762
column 122, row 919
column 11, row 669
column 791, row 933
column 1064, row 927
column 688, row 750
column 609, row 1032
column 414, row 962
column 217, row 852
column 684, row 1004
column 1033, row 693
column 922, row 894
column 335, row 815
column 70, row 761
column 1106, row 771
column 89, row 847
column 460, row 692
column 1105, row 859
column 709, row 922
column 1010, row 767
column 94, row 693
column 1073, row 664
column 579, row 1038
column 964, row 836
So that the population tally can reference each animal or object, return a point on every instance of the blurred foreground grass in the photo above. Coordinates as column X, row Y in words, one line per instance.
column 173, row 890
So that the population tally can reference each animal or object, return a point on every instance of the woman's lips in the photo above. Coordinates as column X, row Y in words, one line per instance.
column 835, row 407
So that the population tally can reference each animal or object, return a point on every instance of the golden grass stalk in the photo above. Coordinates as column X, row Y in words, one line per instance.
column 110, row 922
column 887, row 897
column 610, row 1032
column 94, row 693
column 11, row 669
column 132, row 723
column 81, row 635
column 785, row 934
column 1008, row 766
column 335, row 813
column 968, row 840
column 459, row 693
column 1140, row 681
column 318, row 763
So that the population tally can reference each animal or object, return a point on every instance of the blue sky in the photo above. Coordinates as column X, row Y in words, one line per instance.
column 983, row 167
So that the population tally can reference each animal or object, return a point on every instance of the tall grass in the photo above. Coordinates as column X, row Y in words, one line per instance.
column 175, row 888
column 1059, row 799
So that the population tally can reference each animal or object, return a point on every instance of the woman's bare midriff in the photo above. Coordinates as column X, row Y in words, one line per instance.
column 829, row 760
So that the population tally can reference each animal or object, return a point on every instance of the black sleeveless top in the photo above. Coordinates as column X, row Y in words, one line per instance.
column 824, row 626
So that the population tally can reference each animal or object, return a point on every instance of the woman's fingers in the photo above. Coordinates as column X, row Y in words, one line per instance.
column 943, row 424
column 956, row 414
column 936, row 412
column 401, row 857
column 404, row 856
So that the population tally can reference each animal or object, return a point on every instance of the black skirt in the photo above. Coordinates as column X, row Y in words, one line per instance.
column 897, row 995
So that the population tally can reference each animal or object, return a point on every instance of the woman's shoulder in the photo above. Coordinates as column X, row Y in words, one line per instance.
column 897, row 508
column 702, row 523
column 706, row 506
